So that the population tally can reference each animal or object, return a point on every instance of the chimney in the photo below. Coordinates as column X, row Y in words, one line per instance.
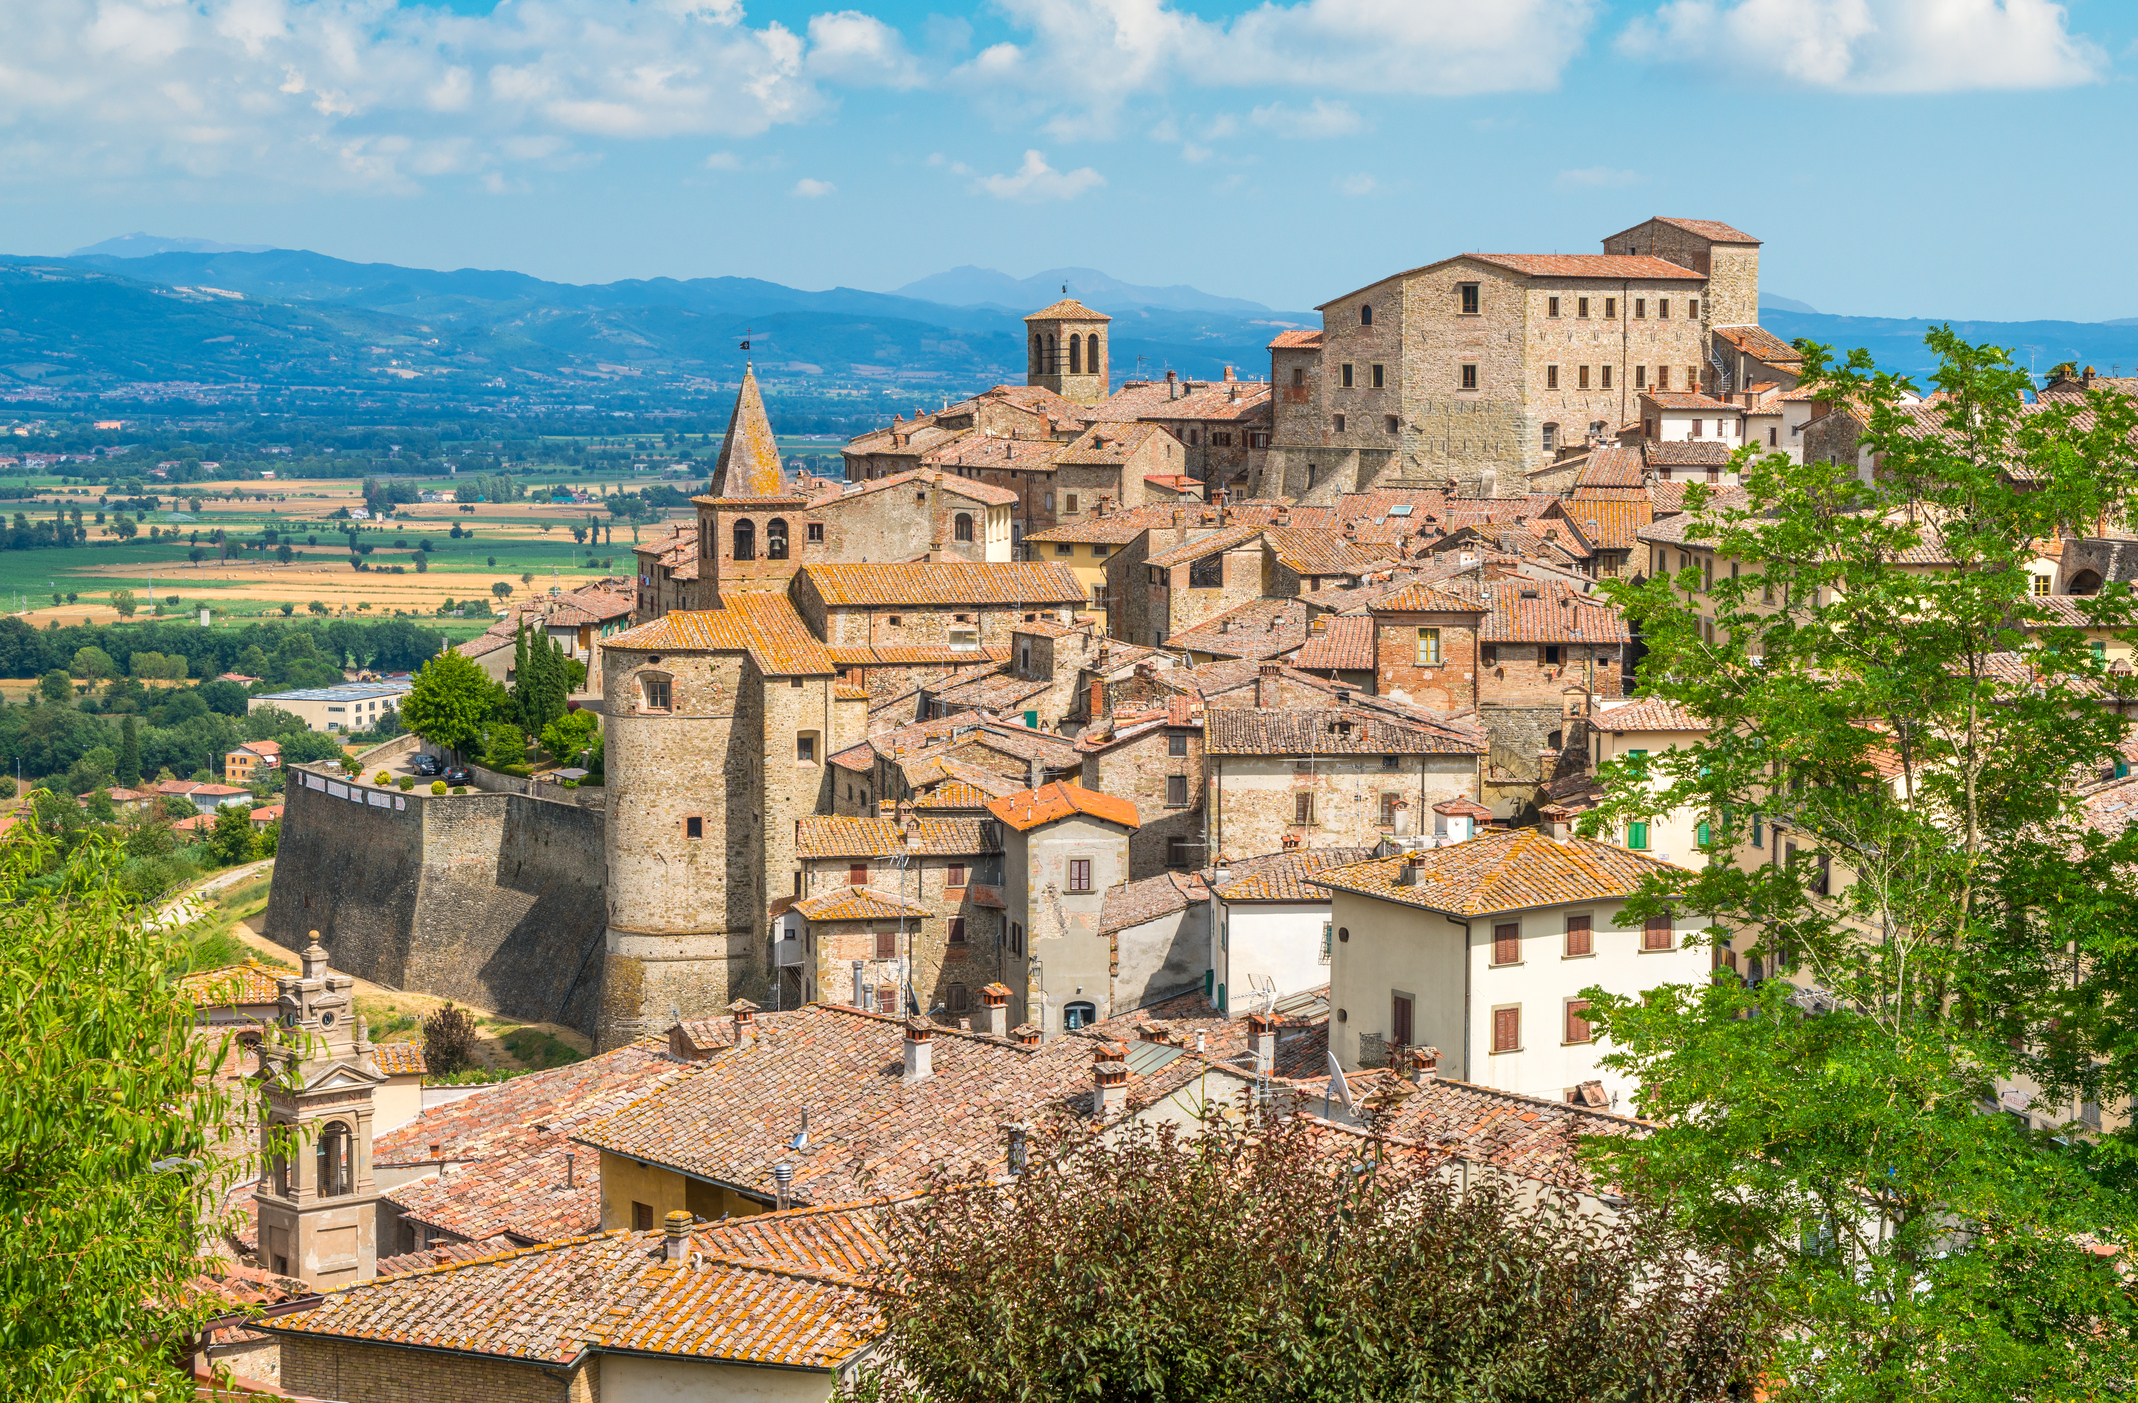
column 920, row 1050
column 1229, row 375
column 1097, row 705
column 1025, row 1035
column 1266, row 685
column 1262, row 1041
column 745, row 1015
column 1018, row 1136
column 1109, row 1081
column 783, row 1185
column 995, row 1004
column 1413, row 868
column 1172, row 385
column 570, row 1159
column 1424, row 1064
column 677, row 1244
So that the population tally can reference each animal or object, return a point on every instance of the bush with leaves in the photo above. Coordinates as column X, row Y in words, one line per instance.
column 1288, row 1261
column 448, row 1039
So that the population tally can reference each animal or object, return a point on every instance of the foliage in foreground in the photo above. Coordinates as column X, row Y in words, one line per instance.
column 108, row 1134
column 1283, row 1262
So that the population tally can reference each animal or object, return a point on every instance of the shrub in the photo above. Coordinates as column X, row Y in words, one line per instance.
column 382, row 778
column 458, row 788
column 437, row 786
column 448, row 1038
column 407, row 782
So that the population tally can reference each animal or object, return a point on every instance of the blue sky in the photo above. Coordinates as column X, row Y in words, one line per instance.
column 1962, row 158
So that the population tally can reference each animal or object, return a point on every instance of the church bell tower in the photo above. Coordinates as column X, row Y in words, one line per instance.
column 1066, row 348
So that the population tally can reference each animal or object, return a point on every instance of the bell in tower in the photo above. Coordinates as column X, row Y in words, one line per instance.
column 1066, row 351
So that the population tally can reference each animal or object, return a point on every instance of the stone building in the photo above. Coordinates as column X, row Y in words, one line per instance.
column 1476, row 369
column 667, row 573
column 1068, row 346
column 953, row 604
column 1154, row 759
column 1063, row 848
column 1222, row 424
column 898, row 765
column 753, row 533
column 925, row 514
column 1108, row 466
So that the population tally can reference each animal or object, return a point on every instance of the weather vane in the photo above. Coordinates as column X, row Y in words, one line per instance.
column 747, row 333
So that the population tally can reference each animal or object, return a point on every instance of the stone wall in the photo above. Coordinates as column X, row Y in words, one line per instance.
column 361, row 1372
column 497, row 899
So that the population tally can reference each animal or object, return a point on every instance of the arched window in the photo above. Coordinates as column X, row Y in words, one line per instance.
column 1078, row 1015
column 1054, row 357
column 1076, row 354
column 1091, row 354
column 336, row 1153
column 2086, row 582
column 961, row 526
column 1365, row 314
column 745, row 540
column 776, row 539
column 1039, row 350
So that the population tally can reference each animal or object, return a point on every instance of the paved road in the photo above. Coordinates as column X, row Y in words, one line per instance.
column 197, row 900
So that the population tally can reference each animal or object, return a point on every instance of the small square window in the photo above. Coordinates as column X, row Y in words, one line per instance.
column 887, row 945
column 816, row 531
column 857, row 874
column 1656, row 933
column 694, row 827
column 1428, row 647
column 1177, row 852
column 1069, row 501
column 656, row 693
column 1064, row 548
column 1339, row 423
column 1395, row 424
column 1177, row 743
column 895, row 621
column 1470, row 299
column 1469, row 377
column 805, row 749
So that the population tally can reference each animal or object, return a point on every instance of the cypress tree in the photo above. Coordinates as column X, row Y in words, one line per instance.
column 129, row 755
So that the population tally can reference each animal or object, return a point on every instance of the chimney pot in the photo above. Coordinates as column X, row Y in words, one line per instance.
column 744, row 1014
column 570, row 1158
column 1424, row 1064
column 1262, row 1041
column 1018, row 1136
column 995, row 1004
column 677, row 1243
column 1025, row 1035
column 782, row 1185
column 1109, row 1082
column 920, row 1060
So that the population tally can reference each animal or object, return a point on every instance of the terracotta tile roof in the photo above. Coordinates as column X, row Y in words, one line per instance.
column 825, row 836
column 1310, row 552
column 978, row 450
column 1502, row 871
column 921, row 655
column 860, row 904
column 246, row 982
column 1531, row 1136
column 994, row 692
column 440, row 1253
column 1671, row 529
column 1260, row 628
column 1344, row 644
column 1588, row 265
column 470, row 1129
column 1302, row 1036
column 763, row 625
column 1296, row 339
column 1610, row 525
column 1419, row 598
column 946, row 582
column 1029, row 808
column 1276, row 876
column 843, row 691
column 730, row 1118
column 1353, row 599
column 401, row 1059
column 1067, row 309
column 186, row 789
column 951, row 483
column 1556, row 614
column 1698, row 453
column 1224, row 402
column 1714, row 229
column 1325, row 731
column 1761, row 344
column 1147, row 899
column 749, row 464
column 1686, row 399
column 1209, row 542
column 559, row 1302
column 1111, row 444
column 1647, row 714
column 262, row 747
column 1610, row 465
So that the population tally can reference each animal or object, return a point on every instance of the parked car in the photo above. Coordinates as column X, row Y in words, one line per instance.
column 426, row 765
column 458, row 775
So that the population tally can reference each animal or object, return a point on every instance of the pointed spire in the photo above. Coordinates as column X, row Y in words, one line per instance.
column 749, row 463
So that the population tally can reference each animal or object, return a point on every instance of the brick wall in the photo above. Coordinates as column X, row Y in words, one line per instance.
column 354, row 1372
column 1451, row 686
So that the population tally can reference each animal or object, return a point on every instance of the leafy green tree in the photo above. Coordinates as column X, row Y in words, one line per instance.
column 568, row 735
column 309, row 747
column 56, row 685
column 93, row 664
column 129, row 769
column 1946, row 926
column 449, row 703
column 1275, row 1263
column 504, row 746
column 109, row 1133
column 233, row 840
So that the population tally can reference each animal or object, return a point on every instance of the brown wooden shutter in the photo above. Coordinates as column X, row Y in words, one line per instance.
column 1399, row 1021
column 1656, row 934
column 1506, row 944
column 1577, row 1025
column 887, row 945
column 957, row 930
column 1506, row 1029
column 1579, row 937
column 857, row 874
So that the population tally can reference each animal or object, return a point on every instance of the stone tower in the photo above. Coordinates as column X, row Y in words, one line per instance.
column 319, row 1206
column 1066, row 351
column 752, row 534
column 1726, row 256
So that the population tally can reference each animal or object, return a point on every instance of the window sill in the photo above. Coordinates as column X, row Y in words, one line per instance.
column 1589, row 956
column 1510, row 964
column 1585, row 1042
column 1504, row 1051
column 1660, row 949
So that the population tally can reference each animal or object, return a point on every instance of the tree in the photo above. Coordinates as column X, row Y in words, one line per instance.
column 1947, row 925
column 316, row 607
column 129, row 771
column 504, row 745
column 93, row 664
column 308, row 747
column 421, row 561
column 110, row 1133
column 448, row 1039
column 449, row 702
column 56, row 685
column 1273, row 1262
column 501, row 589
column 568, row 735
column 284, row 554
column 233, row 840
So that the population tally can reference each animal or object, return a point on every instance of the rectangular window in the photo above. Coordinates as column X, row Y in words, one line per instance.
column 1299, row 376
column 1428, row 647
column 1380, row 377
column 1551, row 377
column 1692, row 385
column 1388, row 809
column 955, row 934
column 1176, row 852
column 1177, row 743
column 1640, row 306
column 954, row 875
column 1339, row 423
column 1303, row 808
column 1662, row 308
column 1507, row 1030
column 1176, row 791
column 1656, row 935
column 1069, row 501
column 1470, row 300
column 1395, row 424
column 1577, row 1022
column 642, row 1217
column 1637, row 836
column 1579, row 937
column 857, row 874
column 1064, row 548
column 1581, row 307
column 1640, row 377
column 805, row 749
column 1551, row 306
column 1507, row 944
column 1343, row 375
column 1692, row 308
column 1759, row 830
column 1610, row 309
column 1016, row 938
column 1080, row 874
column 1551, row 655
column 1469, row 377
column 694, row 827
column 1488, row 655
column 1662, row 377
column 1582, row 377
column 1399, row 1020
column 1607, row 377
column 1773, row 435
column 1697, row 423
column 656, row 690
column 887, row 945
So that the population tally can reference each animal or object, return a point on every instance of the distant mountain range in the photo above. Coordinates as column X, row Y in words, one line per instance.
column 142, row 245
column 165, row 310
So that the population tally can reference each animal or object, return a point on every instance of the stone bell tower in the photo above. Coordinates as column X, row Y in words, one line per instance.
column 318, row 1205
column 1066, row 349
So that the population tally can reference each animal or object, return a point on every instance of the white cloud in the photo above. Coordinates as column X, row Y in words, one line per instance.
column 1320, row 118
column 1596, row 178
column 1877, row 46
column 1036, row 180
column 1360, row 184
column 374, row 93
column 723, row 161
column 808, row 189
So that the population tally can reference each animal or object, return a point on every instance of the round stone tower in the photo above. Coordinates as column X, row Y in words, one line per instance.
column 1066, row 347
